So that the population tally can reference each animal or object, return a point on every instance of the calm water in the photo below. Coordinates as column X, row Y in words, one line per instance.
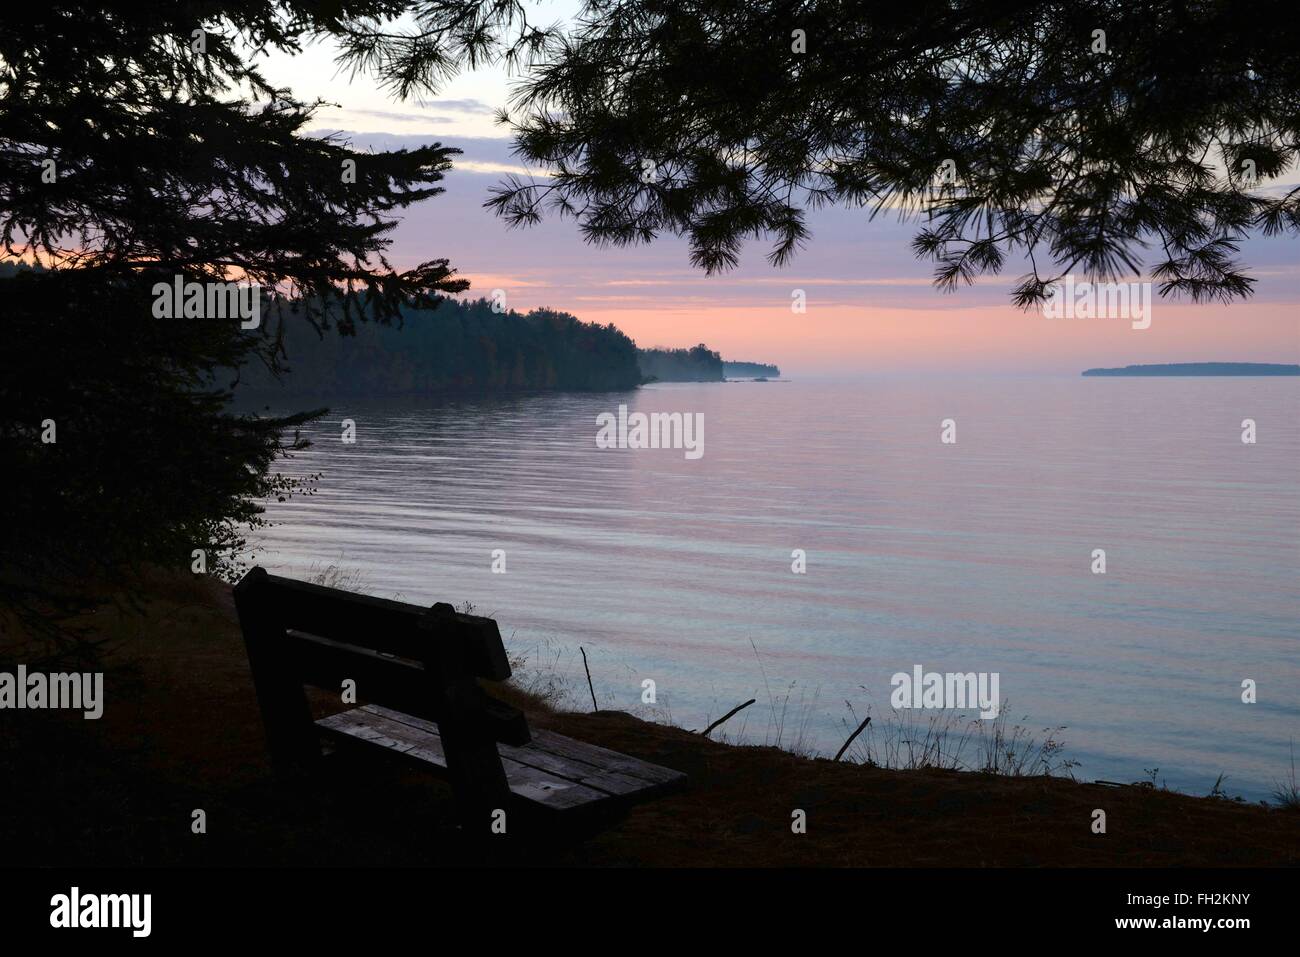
column 966, row 557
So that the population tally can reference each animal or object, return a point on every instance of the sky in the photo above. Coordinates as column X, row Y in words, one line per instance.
column 871, row 306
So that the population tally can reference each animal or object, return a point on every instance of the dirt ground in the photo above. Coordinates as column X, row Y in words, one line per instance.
column 181, row 731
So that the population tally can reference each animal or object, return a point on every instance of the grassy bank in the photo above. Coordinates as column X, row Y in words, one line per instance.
column 181, row 731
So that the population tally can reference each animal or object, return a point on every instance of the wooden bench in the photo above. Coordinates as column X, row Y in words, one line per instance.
column 418, row 669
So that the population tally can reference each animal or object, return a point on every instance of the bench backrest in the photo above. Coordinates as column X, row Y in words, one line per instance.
column 424, row 661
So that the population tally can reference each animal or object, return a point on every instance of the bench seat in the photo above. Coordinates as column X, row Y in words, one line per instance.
column 551, row 772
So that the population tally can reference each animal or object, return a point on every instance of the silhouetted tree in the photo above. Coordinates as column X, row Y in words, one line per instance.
column 139, row 143
column 1075, row 134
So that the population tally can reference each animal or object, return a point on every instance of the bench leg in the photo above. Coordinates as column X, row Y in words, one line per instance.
column 477, row 778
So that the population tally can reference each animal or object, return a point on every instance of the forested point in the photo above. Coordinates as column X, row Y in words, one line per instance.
column 466, row 346
column 458, row 346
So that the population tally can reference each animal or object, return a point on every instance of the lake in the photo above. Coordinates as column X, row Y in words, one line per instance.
column 972, row 556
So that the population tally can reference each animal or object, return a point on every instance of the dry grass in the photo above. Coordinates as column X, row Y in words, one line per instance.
column 1286, row 792
column 335, row 575
column 954, row 741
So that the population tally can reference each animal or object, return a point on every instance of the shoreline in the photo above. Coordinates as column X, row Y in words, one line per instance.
column 181, row 730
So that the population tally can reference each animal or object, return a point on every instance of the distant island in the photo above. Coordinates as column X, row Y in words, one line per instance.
column 1201, row 369
column 750, row 370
